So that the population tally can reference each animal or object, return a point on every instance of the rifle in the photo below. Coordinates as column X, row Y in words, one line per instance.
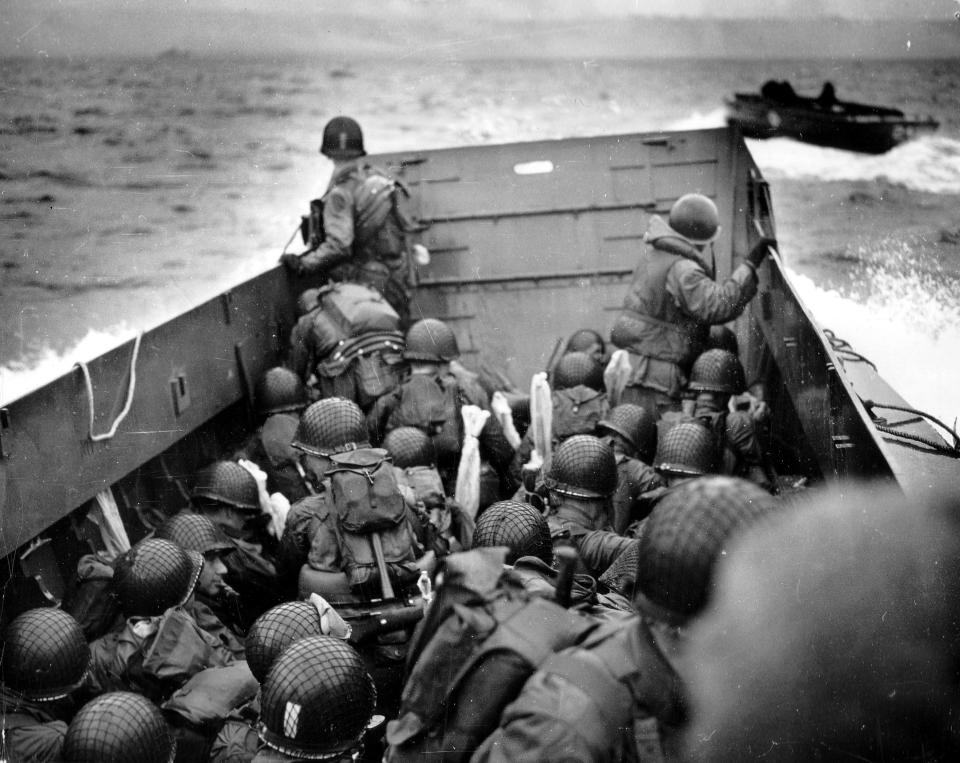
column 365, row 625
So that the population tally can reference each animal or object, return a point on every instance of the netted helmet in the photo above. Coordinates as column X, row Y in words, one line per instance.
column 409, row 446
column 275, row 630
column 695, row 217
column 228, row 482
column 584, row 340
column 279, row 390
column 155, row 575
column 519, row 526
column 685, row 534
column 717, row 371
column 342, row 139
column 723, row 338
column 687, row 449
column 194, row 532
column 621, row 576
column 329, row 426
column 317, row 699
column 44, row 655
column 118, row 727
column 432, row 341
column 583, row 466
column 578, row 368
column 636, row 425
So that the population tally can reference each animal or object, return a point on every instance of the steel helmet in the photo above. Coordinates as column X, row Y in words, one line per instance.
column 717, row 371
column 155, row 575
column 329, row 426
column 621, row 576
column 409, row 446
column 583, row 340
column 576, row 368
column 194, row 532
column 723, row 338
column 44, row 656
column 317, row 700
column 342, row 139
column 686, row 533
column 275, row 630
column 279, row 390
column 432, row 341
column 519, row 526
column 686, row 450
column 583, row 466
column 636, row 425
column 116, row 728
column 228, row 482
column 695, row 217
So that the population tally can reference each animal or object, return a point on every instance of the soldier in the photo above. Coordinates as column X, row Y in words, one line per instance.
column 44, row 660
column 673, row 300
column 280, row 398
column 587, row 341
column 716, row 376
column 580, row 481
column 431, row 400
column 116, row 728
column 632, row 433
column 214, row 603
column 833, row 636
column 325, row 681
column 618, row 695
column 362, row 234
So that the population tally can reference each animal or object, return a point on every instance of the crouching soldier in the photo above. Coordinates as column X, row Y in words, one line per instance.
column 119, row 727
column 44, row 660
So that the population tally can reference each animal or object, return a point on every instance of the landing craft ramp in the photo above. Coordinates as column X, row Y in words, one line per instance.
column 529, row 242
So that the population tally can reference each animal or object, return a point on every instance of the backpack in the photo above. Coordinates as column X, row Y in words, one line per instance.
column 356, row 309
column 427, row 403
column 482, row 637
column 577, row 410
column 380, row 226
column 367, row 501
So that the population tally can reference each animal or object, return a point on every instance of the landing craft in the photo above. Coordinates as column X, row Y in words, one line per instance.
column 529, row 242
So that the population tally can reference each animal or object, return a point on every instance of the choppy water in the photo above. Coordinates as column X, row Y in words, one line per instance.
column 132, row 189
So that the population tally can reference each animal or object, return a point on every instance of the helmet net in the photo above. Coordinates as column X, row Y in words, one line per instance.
column 519, row 526
column 431, row 340
column 329, row 426
column 576, row 368
column 409, row 446
column 687, row 449
column 717, row 371
column 116, row 728
column 636, row 425
column 228, row 482
column 280, row 390
column 275, row 630
column 193, row 532
column 45, row 654
column 155, row 575
column 583, row 466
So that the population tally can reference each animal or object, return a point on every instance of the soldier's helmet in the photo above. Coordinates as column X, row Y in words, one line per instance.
column 723, row 338
column 717, row 371
column 229, row 483
column 317, row 700
column 578, row 368
column 342, row 139
column 329, row 426
column 153, row 576
column 275, row 630
column 518, row 526
column 119, row 727
column 686, row 450
column 583, row 466
column 431, row 341
column 45, row 655
column 409, row 446
column 194, row 532
column 636, row 425
column 279, row 390
column 585, row 340
column 695, row 217
column 685, row 534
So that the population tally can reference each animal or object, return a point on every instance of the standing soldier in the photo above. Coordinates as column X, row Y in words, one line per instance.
column 360, row 232
column 673, row 301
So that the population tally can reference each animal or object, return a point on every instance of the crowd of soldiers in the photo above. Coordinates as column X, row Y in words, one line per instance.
column 434, row 572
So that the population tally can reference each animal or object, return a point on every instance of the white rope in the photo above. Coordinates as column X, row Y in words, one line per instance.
column 131, row 387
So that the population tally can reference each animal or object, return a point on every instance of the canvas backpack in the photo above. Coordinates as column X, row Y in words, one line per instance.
column 577, row 410
column 428, row 403
column 380, row 225
column 483, row 636
column 367, row 501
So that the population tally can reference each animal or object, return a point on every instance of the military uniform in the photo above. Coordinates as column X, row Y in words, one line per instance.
column 30, row 732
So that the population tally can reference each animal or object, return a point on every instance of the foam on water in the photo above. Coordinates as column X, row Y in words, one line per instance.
column 930, row 163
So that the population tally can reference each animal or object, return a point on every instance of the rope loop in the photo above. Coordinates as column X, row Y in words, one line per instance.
column 131, row 388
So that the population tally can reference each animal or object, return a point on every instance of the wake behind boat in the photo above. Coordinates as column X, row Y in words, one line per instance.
column 778, row 111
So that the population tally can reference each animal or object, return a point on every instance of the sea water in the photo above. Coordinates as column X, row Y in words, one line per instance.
column 133, row 189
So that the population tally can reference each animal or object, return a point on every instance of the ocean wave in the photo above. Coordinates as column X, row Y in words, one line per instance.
column 930, row 163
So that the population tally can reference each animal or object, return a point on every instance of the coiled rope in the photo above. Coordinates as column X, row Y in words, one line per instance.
column 847, row 354
column 131, row 388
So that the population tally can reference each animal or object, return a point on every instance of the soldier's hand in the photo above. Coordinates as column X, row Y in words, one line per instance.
column 759, row 251
column 291, row 262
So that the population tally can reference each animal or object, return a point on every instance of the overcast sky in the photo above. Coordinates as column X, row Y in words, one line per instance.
column 81, row 27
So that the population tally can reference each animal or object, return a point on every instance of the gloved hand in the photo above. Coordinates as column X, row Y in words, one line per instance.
column 759, row 252
column 291, row 262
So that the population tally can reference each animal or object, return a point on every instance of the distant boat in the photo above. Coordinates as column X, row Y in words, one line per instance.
column 777, row 111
